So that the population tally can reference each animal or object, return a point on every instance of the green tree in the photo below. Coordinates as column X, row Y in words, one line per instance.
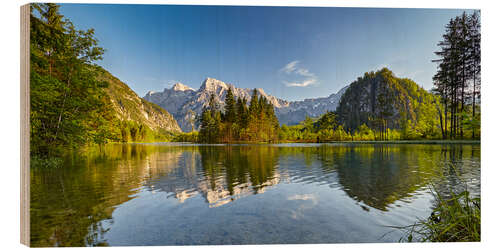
column 242, row 112
column 458, row 65
column 66, row 98
column 257, row 122
column 327, row 121
column 254, row 103
column 229, row 107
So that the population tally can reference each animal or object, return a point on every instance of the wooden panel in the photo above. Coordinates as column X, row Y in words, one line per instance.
column 25, row 128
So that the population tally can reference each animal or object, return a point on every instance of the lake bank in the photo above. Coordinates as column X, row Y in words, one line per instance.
column 341, row 142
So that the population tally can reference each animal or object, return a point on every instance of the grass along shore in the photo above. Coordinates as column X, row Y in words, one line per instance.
column 454, row 219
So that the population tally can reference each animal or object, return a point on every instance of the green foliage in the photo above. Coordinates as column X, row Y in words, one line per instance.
column 128, row 106
column 131, row 131
column 64, row 93
column 45, row 162
column 384, row 102
column 327, row 121
column 471, row 124
column 458, row 78
column 239, row 122
column 326, row 128
column 230, row 107
column 74, row 102
column 364, row 133
column 380, row 106
column 457, row 218
column 186, row 137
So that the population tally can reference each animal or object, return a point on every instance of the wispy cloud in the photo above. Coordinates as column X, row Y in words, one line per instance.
column 305, row 72
column 304, row 83
column 292, row 68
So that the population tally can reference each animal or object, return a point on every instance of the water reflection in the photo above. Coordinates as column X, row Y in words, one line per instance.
column 221, row 174
column 74, row 205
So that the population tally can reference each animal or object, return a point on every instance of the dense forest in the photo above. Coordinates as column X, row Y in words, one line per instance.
column 74, row 102
column 239, row 121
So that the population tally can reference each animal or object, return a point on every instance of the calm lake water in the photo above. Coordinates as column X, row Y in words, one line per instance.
column 184, row 194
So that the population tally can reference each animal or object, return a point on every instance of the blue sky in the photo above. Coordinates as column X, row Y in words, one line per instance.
column 290, row 52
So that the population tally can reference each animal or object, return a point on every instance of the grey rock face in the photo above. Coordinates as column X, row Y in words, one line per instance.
column 180, row 100
column 297, row 111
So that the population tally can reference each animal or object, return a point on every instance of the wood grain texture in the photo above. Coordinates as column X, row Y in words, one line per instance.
column 25, row 132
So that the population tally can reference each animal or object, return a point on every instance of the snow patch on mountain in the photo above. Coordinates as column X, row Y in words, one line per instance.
column 181, row 101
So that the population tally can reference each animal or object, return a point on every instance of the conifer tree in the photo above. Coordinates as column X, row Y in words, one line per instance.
column 458, row 68
column 256, row 122
column 254, row 103
column 242, row 112
column 229, row 107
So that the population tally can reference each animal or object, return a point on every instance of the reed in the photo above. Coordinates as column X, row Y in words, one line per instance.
column 454, row 219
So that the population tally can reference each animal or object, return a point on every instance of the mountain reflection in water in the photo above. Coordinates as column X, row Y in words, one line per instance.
column 77, row 205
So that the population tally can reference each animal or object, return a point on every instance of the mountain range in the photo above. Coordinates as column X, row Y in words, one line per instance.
column 184, row 102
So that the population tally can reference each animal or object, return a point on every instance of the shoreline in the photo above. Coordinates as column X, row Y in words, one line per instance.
column 477, row 142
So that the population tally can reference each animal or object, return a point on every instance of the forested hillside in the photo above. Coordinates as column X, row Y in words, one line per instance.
column 128, row 106
column 74, row 102
column 382, row 101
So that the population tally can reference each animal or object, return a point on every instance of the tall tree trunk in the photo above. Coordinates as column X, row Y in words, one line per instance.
column 66, row 93
column 453, row 114
column 445, row 113
column 455, row 109
column 464, row 77
column 463, row 102
column 440, row 120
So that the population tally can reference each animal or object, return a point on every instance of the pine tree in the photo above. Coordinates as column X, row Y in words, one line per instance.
column 206, row 120
column 229, row 107
column 257, row 122
column 475, row 60
column 254, row 103
column 212, row 103
column 459, row 64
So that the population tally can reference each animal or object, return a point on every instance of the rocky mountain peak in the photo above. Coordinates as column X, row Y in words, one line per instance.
column 181, row 100
column 181, row 87
column 212, row 84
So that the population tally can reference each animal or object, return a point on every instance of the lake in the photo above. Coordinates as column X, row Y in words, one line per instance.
column 189, row 194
